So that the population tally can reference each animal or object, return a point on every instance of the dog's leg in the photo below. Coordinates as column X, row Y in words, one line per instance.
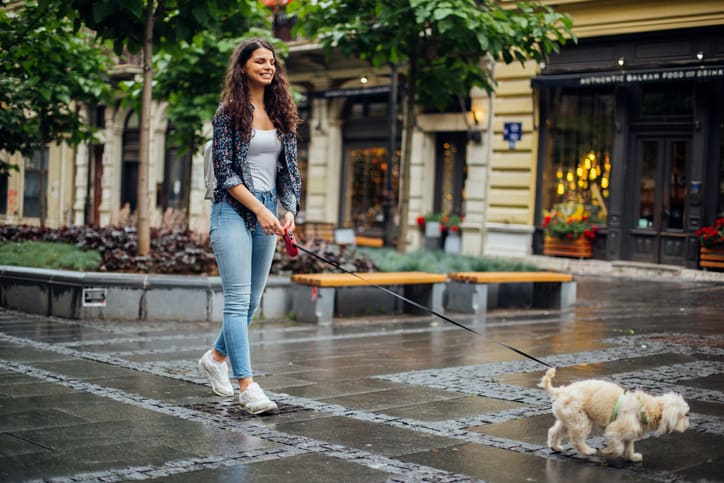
column 615, row 440
column 579, row 433
column 554, row 436
column 629, row 453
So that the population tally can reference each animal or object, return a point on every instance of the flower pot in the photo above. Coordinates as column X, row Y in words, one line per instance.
column 563, row 247
column 433, row 235
column 711, row 257
column 453, row 242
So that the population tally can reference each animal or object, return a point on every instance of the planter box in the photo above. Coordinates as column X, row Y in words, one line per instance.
column 578, row 248
column 712, row 257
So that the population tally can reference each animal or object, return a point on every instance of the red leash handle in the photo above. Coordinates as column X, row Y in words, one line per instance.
column 292, row 249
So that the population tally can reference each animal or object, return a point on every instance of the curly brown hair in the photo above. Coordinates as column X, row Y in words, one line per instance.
column 278, row 100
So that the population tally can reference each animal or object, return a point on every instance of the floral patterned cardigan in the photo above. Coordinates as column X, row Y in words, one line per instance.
column 231, row 168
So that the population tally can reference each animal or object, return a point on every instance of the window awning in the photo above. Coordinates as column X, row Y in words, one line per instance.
column 627, row 77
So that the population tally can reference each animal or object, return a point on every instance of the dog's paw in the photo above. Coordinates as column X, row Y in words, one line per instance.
column 609, row 453
column 586, row 450
column 636, row 457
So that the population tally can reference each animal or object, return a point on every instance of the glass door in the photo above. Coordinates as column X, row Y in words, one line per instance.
column 364, row 189
column 658, row 208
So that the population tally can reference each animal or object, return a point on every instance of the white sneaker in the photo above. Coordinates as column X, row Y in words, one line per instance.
column 254, row 401
column 218, row 374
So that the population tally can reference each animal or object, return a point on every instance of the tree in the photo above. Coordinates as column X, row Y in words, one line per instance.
column 142, row 25
column 442, row 43
column 46, row 67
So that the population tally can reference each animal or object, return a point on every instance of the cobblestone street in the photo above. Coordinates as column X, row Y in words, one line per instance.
column 374, row 399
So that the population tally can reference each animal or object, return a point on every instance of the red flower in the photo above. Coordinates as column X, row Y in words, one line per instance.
column 421, row 221
column 454, row 228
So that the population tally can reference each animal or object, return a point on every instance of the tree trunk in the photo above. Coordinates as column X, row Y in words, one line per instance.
column 43, row 188
column 406, row 151
column 42, row 182
column 143, row 224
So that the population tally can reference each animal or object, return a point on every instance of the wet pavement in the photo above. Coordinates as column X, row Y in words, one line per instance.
column 374, row 399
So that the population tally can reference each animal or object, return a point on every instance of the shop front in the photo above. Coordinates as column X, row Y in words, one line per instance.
column 631, row 140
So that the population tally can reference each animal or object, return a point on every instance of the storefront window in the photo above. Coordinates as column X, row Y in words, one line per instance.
column 3, row 193
column 31, row 191
column 577, row 168
column 720, row 205
column 366, row 188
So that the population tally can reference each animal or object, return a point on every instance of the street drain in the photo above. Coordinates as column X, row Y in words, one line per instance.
column 232, row 410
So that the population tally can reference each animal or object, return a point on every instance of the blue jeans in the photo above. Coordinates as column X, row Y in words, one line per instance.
column 244, row 259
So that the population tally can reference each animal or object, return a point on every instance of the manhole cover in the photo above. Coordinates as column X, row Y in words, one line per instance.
column 231, row 409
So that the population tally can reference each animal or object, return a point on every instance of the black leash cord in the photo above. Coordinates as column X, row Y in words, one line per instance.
column 412, row 302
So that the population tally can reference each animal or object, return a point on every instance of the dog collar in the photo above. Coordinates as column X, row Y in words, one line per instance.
column 614, row 414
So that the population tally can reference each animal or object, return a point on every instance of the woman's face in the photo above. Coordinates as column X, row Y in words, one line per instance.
column 260, row 67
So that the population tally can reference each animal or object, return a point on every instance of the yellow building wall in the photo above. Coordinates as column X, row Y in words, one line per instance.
column 513, row 172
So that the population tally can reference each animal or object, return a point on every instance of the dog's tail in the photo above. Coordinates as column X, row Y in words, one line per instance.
column 545, row 382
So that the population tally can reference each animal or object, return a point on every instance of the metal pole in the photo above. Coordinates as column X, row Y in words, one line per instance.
column 392, row 146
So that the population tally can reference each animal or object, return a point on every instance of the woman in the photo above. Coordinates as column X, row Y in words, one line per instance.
column 255, row 165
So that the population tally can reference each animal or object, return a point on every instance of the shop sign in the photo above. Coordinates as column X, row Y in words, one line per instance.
column 512, row 132
column 700, row 73
column 355, row 92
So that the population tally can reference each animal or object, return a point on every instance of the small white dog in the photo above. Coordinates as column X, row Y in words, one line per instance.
column 624, row 417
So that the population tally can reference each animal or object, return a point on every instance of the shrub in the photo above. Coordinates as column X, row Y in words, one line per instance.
column 172, row 250
column 42, row 254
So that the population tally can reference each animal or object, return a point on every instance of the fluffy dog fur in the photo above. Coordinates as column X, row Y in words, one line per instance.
column 586, row 405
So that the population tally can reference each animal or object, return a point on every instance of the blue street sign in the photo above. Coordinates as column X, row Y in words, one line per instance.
column 512, row 132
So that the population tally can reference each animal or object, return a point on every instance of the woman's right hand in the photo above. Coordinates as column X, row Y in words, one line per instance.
column 269, row 222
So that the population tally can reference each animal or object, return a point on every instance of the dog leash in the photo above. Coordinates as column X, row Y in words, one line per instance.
column 293, row 250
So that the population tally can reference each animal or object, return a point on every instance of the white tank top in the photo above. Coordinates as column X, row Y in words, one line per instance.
column 264, row 149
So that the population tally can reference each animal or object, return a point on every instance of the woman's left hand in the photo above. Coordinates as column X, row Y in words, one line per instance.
column 288, row 222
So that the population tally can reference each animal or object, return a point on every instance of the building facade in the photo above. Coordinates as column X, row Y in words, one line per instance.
column 626, row 122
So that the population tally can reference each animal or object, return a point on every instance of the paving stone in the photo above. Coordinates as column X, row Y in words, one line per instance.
column 709, row 408
column 36, row 419
column 715, row 381
column 12, row 445
column 391, row 398
column 26, row 354
column 452, row 408
column 34, row 389
column 323, row 468
column 324, row 390
column 531, row 429
column 680, row 451
column 155, row 387
column 367, row 436
column 85, row 370
column 567, row 375
column 68, row 461
column 710, row 471
column 502, row 466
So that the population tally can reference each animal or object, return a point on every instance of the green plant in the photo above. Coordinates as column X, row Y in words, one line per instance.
column 389, row 260
column 712, row 235
column 568, row 221
column 452, row 223
column 43, row 254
